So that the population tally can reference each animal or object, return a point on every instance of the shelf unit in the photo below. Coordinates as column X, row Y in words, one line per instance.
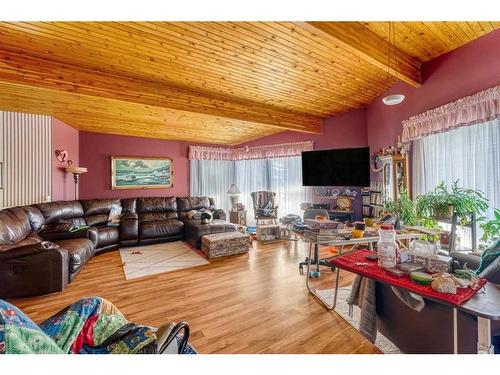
column 376, row 199
column 365, row 202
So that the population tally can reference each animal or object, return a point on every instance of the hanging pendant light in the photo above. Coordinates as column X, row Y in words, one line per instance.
column 393, row 99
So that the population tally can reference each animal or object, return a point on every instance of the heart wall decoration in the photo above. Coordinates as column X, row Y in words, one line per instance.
column 61, row 155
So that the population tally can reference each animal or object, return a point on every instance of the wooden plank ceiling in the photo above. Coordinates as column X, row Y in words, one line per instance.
column 211, row 82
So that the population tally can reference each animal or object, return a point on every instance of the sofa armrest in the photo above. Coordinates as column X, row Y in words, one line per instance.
column 219, row 214
column 65, row 235
column 33, row 270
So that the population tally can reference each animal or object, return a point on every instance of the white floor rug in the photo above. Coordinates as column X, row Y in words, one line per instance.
column 342, row 308
column 152, row 259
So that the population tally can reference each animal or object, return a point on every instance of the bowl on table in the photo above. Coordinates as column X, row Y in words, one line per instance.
column 369, row 221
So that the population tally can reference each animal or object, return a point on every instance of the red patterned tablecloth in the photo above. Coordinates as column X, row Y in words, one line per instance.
column 372, row 270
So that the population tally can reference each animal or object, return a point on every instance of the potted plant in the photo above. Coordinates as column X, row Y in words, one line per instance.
column 491, row 230
column 442, row 203
column 404, row 209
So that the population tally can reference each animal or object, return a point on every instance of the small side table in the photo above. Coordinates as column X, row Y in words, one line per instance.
column 238, row 217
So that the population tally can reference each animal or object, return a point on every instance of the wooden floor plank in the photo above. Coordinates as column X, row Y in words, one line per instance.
column 250, row 303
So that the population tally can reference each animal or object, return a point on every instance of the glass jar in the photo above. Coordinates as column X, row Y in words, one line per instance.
column 387, row 247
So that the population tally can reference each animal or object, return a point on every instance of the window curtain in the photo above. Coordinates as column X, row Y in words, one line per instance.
column 276, row 168
column 470, row 154
column 281, row 175
column 212, row 178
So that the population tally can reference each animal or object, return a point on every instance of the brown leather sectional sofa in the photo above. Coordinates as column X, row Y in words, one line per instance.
column 39, row 254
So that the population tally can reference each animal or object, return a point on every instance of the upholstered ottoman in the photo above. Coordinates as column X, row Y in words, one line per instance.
column 224, row 244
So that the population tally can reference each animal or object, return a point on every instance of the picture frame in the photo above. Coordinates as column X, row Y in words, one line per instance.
column 136, row 172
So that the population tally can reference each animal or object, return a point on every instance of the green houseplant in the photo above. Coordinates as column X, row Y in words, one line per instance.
column 403, row 209
column 491, row 229
column 442, row 203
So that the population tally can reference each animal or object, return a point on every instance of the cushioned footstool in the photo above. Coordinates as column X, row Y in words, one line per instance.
column 224, row 244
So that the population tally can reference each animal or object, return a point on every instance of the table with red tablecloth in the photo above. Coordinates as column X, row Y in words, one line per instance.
column 356, row 262
column 485, row 305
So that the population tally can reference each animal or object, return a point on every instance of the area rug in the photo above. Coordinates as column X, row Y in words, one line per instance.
column 342, row 308
column 153, row 259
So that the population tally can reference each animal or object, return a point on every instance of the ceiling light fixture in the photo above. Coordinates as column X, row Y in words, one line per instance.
column 393, row 99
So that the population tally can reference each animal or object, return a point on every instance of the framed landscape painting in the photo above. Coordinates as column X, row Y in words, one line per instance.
column 141, row 173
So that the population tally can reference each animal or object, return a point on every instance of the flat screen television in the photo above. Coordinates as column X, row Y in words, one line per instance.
column 341, row 167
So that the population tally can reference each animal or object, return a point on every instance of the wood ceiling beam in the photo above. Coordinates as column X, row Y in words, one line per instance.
column 368, row 46
column 26, row 70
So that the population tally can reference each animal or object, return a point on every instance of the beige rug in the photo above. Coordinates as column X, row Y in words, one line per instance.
column 152, row 259
column 342, row 308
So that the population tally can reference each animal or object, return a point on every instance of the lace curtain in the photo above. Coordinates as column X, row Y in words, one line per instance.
column 479, row 108
column 282, row 175
column 470, row 154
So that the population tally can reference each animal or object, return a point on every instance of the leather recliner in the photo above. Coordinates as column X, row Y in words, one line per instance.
column 193, row 227
column 96, row 214
column 158, row 220
column 26, row 266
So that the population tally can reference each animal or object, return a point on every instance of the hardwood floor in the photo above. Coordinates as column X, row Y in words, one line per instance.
column 251, row 303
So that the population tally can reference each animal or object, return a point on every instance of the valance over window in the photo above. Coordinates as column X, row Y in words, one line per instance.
column 481, row 107
column 248, row 153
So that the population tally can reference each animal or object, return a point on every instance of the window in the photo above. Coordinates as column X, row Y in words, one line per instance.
column 470, row 154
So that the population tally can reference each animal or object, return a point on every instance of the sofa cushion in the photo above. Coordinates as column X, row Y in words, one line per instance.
column 93, row 207
column 157, row 216
column 55, row 211
column 194, row 229
column 15, row 226
column 156, row 204
column 80, row 250
column 129, row 205
column 192, row 203
column 96, row 220
column 107, row 236
column 160, row 228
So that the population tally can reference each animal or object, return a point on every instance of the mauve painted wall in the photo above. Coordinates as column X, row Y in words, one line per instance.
column 462, row 72
column 64, row 137
column 95, row 154
column 343, row 131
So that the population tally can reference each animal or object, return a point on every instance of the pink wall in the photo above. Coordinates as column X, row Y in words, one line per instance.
column 64, row 137
column 465, row 71
column 95, row 154
column 343, row 131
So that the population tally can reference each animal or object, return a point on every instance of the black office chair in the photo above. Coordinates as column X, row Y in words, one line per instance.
column 311, row 213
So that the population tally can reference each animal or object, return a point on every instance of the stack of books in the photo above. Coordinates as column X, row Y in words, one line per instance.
column 321, row 230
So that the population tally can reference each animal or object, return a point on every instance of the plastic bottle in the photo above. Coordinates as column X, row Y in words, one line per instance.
column 387, row 247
